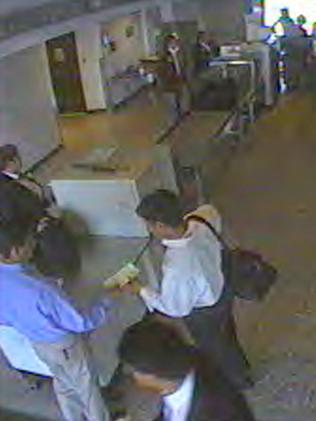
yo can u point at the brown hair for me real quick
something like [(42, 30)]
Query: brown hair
[(7, 153)]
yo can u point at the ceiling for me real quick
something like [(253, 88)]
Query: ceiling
[(13, 6), (21, 16), (10, 6)]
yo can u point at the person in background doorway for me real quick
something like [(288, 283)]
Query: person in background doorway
[(38, 309), (193, 287), (159, 360)]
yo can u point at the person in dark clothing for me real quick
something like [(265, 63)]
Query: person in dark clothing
[(23, 202), (204, 50), (159, 360), (173, 77), (16, 202)]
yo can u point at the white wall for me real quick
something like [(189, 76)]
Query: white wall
[(151, 23), (27, 114), (89, 54), (128, 50), (189, 11), (225, 18)]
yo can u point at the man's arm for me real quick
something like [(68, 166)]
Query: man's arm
[(63, 313), (177, 296)]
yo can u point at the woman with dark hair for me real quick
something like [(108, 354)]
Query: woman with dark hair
[(159, 360)]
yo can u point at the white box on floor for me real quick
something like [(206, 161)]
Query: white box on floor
[(105, 200)]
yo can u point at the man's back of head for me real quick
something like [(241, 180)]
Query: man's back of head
[(162, 206), (155, 349)]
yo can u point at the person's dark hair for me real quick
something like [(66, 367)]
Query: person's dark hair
[(151, 347), (8, 153), (12, 236), (56, 254), (162, 206)]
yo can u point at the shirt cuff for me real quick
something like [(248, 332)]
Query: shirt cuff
[(148, 295)]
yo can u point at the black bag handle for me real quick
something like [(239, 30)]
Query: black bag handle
[(218, 236)]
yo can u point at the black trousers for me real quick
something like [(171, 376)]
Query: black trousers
[(214, 332)]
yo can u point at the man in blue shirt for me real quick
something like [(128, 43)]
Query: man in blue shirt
[(38, 309)]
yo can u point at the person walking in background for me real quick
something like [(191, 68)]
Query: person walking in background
[(159, 360), (193, 286), (173, 77), (37, 308)]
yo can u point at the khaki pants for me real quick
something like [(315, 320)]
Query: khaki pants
[(74, 378)]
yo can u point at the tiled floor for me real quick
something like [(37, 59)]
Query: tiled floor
[(266, 196)]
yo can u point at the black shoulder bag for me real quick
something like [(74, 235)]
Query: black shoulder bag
[(246, 272)]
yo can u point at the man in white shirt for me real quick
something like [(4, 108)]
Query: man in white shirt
[(159, 360), (193, 286)]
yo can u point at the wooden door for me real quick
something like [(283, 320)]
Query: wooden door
[(65, 73)]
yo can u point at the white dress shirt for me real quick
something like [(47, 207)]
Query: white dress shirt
[(175, 57), (191, 271), (176, 407), (11, 175)]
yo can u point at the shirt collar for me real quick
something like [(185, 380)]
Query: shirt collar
[(183, 394), (11, 175), (183, 241), (173, 51)]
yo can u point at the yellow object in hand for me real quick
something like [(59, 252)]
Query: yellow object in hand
[(122, 277)]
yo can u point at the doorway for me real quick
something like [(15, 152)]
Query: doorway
[(65, 73)]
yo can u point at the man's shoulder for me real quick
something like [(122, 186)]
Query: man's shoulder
[(207, 211)]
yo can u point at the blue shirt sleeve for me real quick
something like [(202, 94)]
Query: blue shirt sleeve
[(58, 308)]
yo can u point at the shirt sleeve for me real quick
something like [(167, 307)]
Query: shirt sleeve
[(172, 300), (63, 314)]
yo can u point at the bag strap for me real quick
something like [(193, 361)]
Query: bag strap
[(211, 228)]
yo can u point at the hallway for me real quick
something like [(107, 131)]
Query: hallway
[(266, 197), (268, 203)]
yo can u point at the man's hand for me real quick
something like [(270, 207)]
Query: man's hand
[(113, 292), (132, 287)]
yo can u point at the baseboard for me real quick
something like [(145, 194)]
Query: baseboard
[(35, 166)]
